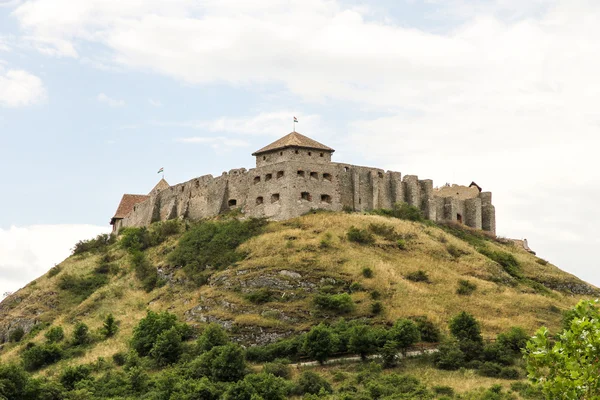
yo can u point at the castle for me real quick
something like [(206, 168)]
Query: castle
[(294, 175)]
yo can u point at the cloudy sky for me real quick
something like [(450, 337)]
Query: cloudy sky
[(97, 95)]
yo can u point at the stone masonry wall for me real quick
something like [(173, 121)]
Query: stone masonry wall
[(287, 189)]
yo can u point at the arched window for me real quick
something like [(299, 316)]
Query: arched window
[(256, 179)]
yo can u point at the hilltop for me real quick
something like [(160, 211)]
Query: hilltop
[(265, 281)]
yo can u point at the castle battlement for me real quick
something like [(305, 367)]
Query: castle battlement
[(294, 175)]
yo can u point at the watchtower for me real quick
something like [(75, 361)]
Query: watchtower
[(293, 147)]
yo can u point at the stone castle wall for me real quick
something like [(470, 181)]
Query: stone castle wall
[(288, 183)]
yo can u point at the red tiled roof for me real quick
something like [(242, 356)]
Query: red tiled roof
[(126, 205), (293, 139)]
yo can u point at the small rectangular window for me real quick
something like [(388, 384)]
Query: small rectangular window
[(259, 200), (300, 174), (327, 177), (305, 196), (325, 198), (314, 175), (275, 198), (279, 174), (268, 177), (256, 179), (232, 202)]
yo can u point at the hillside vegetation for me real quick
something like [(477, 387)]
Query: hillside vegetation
[(265, 282)]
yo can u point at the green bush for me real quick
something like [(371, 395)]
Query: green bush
[(14, 382), (454, 251), (268, 386), (402, 211), (81, 287), (135, 239), (212, 336), (418, 276), (214, 244), (361, 341), (312, 383), (490, 369), (100, 243), (376, 308), (443, 390), (167, 347), (81, 334), (404, 333), (429, 331), (109, 326), (285, 348), (367, 272), (340, 303), (147, 331), (401, 243), (278, 368), (16, 335), (375, 295), (119, 358), (54, 334), (71, 375), (144, 271), (54, 271), (515, 339), (465, 288), (361, 236), (355, 287), (509, 373), (384, 230), (320, 343), (260, 296), (223, 363), (38, 356), (508, 262), (449, 356)]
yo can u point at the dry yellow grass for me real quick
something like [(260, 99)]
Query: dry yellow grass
[(316, 247)]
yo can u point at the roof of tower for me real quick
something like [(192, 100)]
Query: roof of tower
[(126, 205), (294, 139), (160, 186)]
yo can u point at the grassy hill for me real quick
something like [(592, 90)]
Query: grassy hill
[(265, 281)]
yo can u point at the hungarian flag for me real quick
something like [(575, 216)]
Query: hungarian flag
[(160, 171), (295, 119)]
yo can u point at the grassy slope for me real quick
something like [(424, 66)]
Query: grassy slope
[(315, 246)]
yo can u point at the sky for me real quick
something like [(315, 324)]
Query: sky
[(97, 95)]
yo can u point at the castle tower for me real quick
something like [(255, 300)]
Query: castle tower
[(293, 147)]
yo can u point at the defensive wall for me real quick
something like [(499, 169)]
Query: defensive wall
[(291, 179)]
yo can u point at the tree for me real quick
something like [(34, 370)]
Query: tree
[(55, 334), (167, 348), (223, 363), (320, 343), (212, 336), (149, 328), (361, 341), (405, 333), (81, 334), (109, 327), (312, 383), (567, 367), (465, 328)]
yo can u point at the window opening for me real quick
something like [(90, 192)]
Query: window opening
[(259, 200), (300, 173), (256, 179), (268, 177), (279, 174), (327, 177), (325, 198), (459, 218), (306, 196), (232, 202), (314, 175), (275, 198)]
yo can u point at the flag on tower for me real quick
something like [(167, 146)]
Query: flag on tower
[(295, 119), (161, 170)]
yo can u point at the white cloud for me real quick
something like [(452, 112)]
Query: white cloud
[(102, 98), (28, 252), (4, 44), (19, 88)]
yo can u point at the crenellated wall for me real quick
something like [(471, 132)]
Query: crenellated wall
[(299, 183)]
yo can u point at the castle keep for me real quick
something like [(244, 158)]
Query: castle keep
[(294, 175)]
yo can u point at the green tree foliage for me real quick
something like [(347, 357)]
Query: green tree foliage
[(54, 334), (312, 383), (212, 336), (214, 244), (320, 343), (223, 363), (38, 356), (16, 335), (465, 328), (100, 243), (402, 211), (268, 386), (340, 303), (109, 326), (361, 341), (147, 331), (13, 381), (168, 347), (404, 333), (81, 286), (144, 271), (566, 366), (449, 356), (429, 331), (71, 375), (361, 236), (81, 334)]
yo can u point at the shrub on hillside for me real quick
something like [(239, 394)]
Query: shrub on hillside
[(144, 271), (16, 335), (100, 243), (312, 383), (268, 386), (167, 347), (367, 272), (361, 341), (71, 375), (82, 286), (212, 336), (402, 211), (429, 331), (418, 276), (508, 262), (37, 356), (109, 326), (361, 236), (405, 333), (465, 288), (376, 308), (147, 331), (320, 342), (260, 296), (285, 348), (81, 334), (214, 244), (278, 368), (54, 334), (222, 363), (135, 239), (54, 271), (384, 230), (449, 356), (340, 303)]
